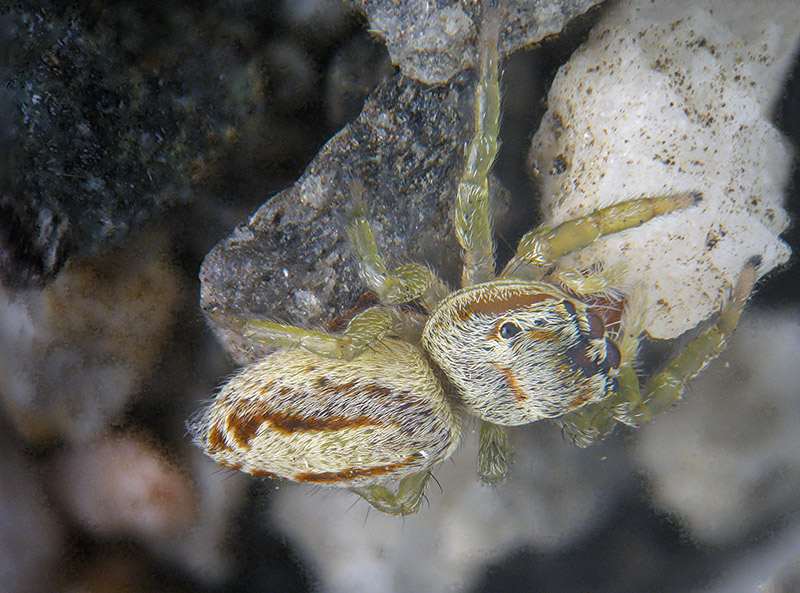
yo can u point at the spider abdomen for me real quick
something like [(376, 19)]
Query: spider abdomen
[(309, 418)]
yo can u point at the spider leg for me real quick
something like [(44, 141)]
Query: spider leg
[(494, 453), (290, 336), (593, 422), (540, 249), (364, 331), (403, 501), (393, 287), (472, 221), (632, 406), (401, 285), (667, 387)]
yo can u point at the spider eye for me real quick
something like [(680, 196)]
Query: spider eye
[(509, 330)]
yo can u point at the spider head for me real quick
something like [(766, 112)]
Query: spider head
[(521, 351)]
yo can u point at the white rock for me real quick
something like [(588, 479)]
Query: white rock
[(670, 97)]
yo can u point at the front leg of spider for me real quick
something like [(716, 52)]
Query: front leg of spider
[(667, 387), (473, 223)]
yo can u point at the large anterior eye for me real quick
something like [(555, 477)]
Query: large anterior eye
[(509, 330)]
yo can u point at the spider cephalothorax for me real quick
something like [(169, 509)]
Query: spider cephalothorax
[(381, 400), (518, 352)]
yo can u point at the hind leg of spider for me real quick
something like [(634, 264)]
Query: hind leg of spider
[(540, 249), (405, 500), (363, 331)]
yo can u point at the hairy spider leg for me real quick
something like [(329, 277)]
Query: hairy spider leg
[(405, 283), (594, 421), (472, 221), (540, 249), (474, 232), (665, 388), (405, 500), (494, 452), (290, 336)]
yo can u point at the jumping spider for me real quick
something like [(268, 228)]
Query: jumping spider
[(383, 399)]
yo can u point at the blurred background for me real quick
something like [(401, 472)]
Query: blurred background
[(136, 135)]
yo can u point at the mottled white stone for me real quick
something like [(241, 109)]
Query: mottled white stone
[(674, 97)]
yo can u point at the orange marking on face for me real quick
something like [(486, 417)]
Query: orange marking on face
[(512, 383), (582, 397)]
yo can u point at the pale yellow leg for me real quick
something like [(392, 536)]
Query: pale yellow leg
[(402, 285), (290, 336), (592, 422), (540, 249), (494, 453), (667, 387), (472, 222), (406, 500), (364, 331)]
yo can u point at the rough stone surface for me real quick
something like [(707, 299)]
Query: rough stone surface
[(432, 42), (667, 98), (291, 261)]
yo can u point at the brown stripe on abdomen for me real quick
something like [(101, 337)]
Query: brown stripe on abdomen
[(216, 440), (244, 425), (355, 472)]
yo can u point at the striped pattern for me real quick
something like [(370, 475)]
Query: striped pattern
[(308, 418)]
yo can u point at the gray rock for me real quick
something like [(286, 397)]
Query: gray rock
[(434, 43), (291, 261)]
